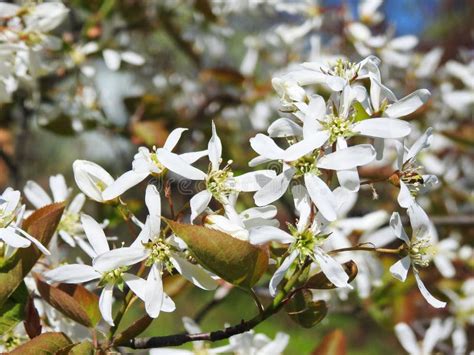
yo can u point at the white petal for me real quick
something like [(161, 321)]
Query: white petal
[(321, 196), (427, 295), (105, 303), (73, 273), (192, 157), (58, 188), (265, 234), (407, 338), (10, 237), (276, 346), (123, 183), (349, 179), (178, 165), (284, 127), (215, 148), (154, 292), (89, 176), (168, 304), (95, 234), (36, 242), (119, 257), (348, 158), (433, 335), (194, 273), (408, 104), (302, 205), (397, 228), (77, 203), (136, 284), (444, 266), (400, 269), (420, 222), (420, 144), (405, 199), (383, 128), (199, 202), (266, 147), (332, 269), (281, 271), (112, 59), (153, 203), (404, 43), (132, 58), (253, 180), (173, 138), (305, 146), (66, 237), (36, 194), (274, 189)]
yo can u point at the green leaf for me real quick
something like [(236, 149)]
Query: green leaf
[(84, 348), (41, 224), (333, 344), (360, 113), (303, 311), (321, 282), (232, 259), (44, 344), (13, 310), (74, 301)]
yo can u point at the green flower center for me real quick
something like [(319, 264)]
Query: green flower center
[(70, 223), (160, 252), (220, 183), (338, 127), (421, 251), (344, 69), (113, 277), (306, 164)]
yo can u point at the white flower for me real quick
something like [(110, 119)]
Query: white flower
[(418, 249), (251, 343), (69, 227), (160, 254), (92, 179), (306, 240), (220, 182), (411, 181), (155, 163), (300, 160), (437, 332), (11, 215), (108, 276), (113, 58)]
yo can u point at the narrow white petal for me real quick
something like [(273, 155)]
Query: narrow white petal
[(119, 257), (419, 220), (36, 194), (427, 295), (444, 266), (10, 237), (265, 234), (105, 303), (123, 183), (112, 59), (397, 228), (274, 189), (215, 148), (192, 157), (408, 104), (77, 203), (407, 338), (348, 158), (136, 284), (332, 269), (405, 199), (349, 179), (321, 196), (154, 292), (35, 241), (168, 304), (433, 335), (276, 346), (281, 271), (305, 146), (253, 180), (73, 273), (302, 205), (173, 138), (400, 269), (199, 202), (132, 58), (95, 234), (421, 143), (284, 127), (194, 273), (266, 147), (383, 128), (58, 188), (153, 203), (178, 165)]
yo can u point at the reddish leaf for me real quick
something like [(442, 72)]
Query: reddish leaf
[(32, 322), (333, 344), (135, 329), (41, 224), (234, 260), (303, 311), (44, 344), (74, 301)]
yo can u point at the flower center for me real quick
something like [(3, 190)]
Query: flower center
[(338, 127), (220, 183), (160, 252), (113, 277), (156, 161), (344, 69), (422, 251), (306, 241), (306, 164), (70, 223), (412, 178)]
